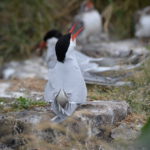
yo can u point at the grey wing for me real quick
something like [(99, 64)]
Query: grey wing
[(49, 93)]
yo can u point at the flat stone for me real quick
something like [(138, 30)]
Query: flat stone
[(108, 112), (126, 132)]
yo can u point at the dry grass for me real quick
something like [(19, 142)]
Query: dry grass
[(33, 84)]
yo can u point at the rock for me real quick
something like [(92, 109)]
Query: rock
[(98, 113), (113, 111), (20, 128), (128, 129), (125, 132)]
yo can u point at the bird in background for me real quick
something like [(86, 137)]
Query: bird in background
[(66, 88), (142, 23), (89, 18)]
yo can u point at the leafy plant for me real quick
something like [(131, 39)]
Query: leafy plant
[(25, 103)]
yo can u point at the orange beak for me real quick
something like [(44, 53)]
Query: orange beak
[(72, 29), (90, 4), (74, 36)]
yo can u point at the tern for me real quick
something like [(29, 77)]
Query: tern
[(66, 88), (90, 19), (142, 23)]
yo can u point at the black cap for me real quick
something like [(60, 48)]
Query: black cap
[(62, 46), (51, 34)]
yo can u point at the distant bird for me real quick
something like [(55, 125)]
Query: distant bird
[(66, 88), (142, 23), (90, 19)]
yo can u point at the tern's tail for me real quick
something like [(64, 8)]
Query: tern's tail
[(63, 114), (62, 107)]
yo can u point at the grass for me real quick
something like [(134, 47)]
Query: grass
[(137, 95), (9, 105), (23, 23), (25, 103)]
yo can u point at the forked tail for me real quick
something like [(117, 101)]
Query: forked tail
[(62, 107)]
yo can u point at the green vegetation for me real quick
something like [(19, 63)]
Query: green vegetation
[(1, 100), (24, 103), (23, 23), (143, 140), (8, 105)]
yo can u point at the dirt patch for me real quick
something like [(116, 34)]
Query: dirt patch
[(29, 84)]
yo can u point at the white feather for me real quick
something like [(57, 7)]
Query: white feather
[(66, 76), (92, 23), (143, 27)]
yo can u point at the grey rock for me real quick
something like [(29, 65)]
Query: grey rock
[(86, 122), (97, 113), (126, 131)]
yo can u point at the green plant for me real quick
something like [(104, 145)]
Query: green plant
[(143, 139), (25, 103)]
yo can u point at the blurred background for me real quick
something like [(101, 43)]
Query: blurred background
[(23, 23)]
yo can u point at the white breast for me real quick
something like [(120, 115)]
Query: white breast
[(92, 22), (143, 28)]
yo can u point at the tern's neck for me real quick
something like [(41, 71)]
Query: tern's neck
[(52, 42), (71, 49)]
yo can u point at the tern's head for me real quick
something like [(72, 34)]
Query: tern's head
[(52, 35), (66, 42), (87, 6)]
